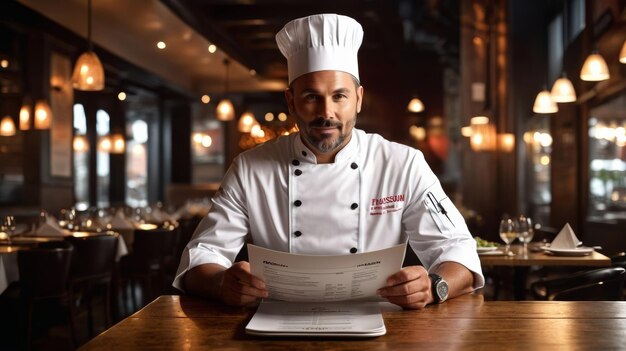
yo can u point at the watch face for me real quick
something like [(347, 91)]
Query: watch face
[(442, 290)]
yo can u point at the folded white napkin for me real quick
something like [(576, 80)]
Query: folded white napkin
[(120, 221), (566, 239), (51, 228)]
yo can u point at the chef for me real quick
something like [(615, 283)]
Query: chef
[(330, 189)]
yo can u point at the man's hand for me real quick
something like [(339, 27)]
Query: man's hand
[(235, 286), (239, 287), (409, 288)]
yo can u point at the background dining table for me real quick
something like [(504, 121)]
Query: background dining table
[(522, 261), (467, 322)]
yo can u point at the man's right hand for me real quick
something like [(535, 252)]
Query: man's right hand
[(239, 287)]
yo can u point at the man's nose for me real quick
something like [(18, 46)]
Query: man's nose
[(326, 108)]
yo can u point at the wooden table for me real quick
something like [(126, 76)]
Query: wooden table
[(465, 323), (522, 261)]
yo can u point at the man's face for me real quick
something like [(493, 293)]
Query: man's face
[(325, 105)]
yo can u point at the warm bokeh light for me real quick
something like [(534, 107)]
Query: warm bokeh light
[(161, 45), (25, 117), (563, 90), (88, 73), (4, 63), (594, 69), (225, 110), (212, 48), (118, 144), (544, 160), (506, 142), (282, 116), (418, 133), (252, 72), (246, 121), (7, 126), (43, 115), (197, 138), (80, 143), (466, 131), (205, 99), (544, 103), (121, 96), (415, 105), (269, 116), (104, 145), (207, 141)]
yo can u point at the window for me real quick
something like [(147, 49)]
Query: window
[(81, 159), (102, 161), (137, 164)]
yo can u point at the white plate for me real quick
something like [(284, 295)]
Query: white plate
[(486, 249), (579, 251)]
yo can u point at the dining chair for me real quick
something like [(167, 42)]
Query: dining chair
[(604, 284), (91, 273), (147, 263), (44, 276)]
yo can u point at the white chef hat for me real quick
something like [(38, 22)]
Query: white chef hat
[(319, 43)]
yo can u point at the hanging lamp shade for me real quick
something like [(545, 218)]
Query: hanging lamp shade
[(544, 103), (7, 126), (563, 90), (415, 105), (25, 117), (246, 121), (225, 110), (88, 71), (595, 68), (622, 53), (43, 115)]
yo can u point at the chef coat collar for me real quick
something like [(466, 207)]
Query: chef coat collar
[(303, 153)]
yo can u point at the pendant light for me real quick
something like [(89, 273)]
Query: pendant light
[(7, 126), (225, 109), (25, 117), (622, 53), (246, 121), (43, 115), (88, 71), (544, 103), (595, 68), (415, 105), (118, 143), (563, 89)]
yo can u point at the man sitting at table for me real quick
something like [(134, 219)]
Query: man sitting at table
[(330, 189)]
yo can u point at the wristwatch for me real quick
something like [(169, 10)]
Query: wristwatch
[(439, 288)]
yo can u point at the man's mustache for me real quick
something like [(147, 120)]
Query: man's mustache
[(325, 123)]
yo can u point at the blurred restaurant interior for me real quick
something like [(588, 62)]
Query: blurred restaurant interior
[(138, 107)]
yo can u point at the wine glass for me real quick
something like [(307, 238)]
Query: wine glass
[(525, 231), (507, 233), (7, 226)]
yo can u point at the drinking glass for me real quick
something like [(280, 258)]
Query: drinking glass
[(525, 231), (7, 226), (507, 233)]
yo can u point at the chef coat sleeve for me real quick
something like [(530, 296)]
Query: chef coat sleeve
[(222, 233), (435, 228)]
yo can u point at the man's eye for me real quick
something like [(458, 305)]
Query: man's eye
[(310, 97), (340, 96)]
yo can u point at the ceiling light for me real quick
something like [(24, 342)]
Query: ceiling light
[(563, 90), (269, 116), (43, 115), (4, 63), (544, 103), (282, 116), (212, 48), (595, 68), (161, 45), (205, 99), (25, 117), (225, 109), (246, 121), (88, 71), (7, 126), (415, 105), (121, 96)]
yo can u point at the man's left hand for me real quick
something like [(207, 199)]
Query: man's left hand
[(409, 288)]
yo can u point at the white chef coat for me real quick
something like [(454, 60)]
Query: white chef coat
[(375, 195)]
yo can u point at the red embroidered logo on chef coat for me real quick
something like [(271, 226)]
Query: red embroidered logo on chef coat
[(387, 204)]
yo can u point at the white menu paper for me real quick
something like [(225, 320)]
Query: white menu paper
[(309, 278)]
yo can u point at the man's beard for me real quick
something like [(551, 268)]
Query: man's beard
[(324, 143)]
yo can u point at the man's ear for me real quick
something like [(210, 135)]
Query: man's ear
[(359, 98), (289, 100)]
